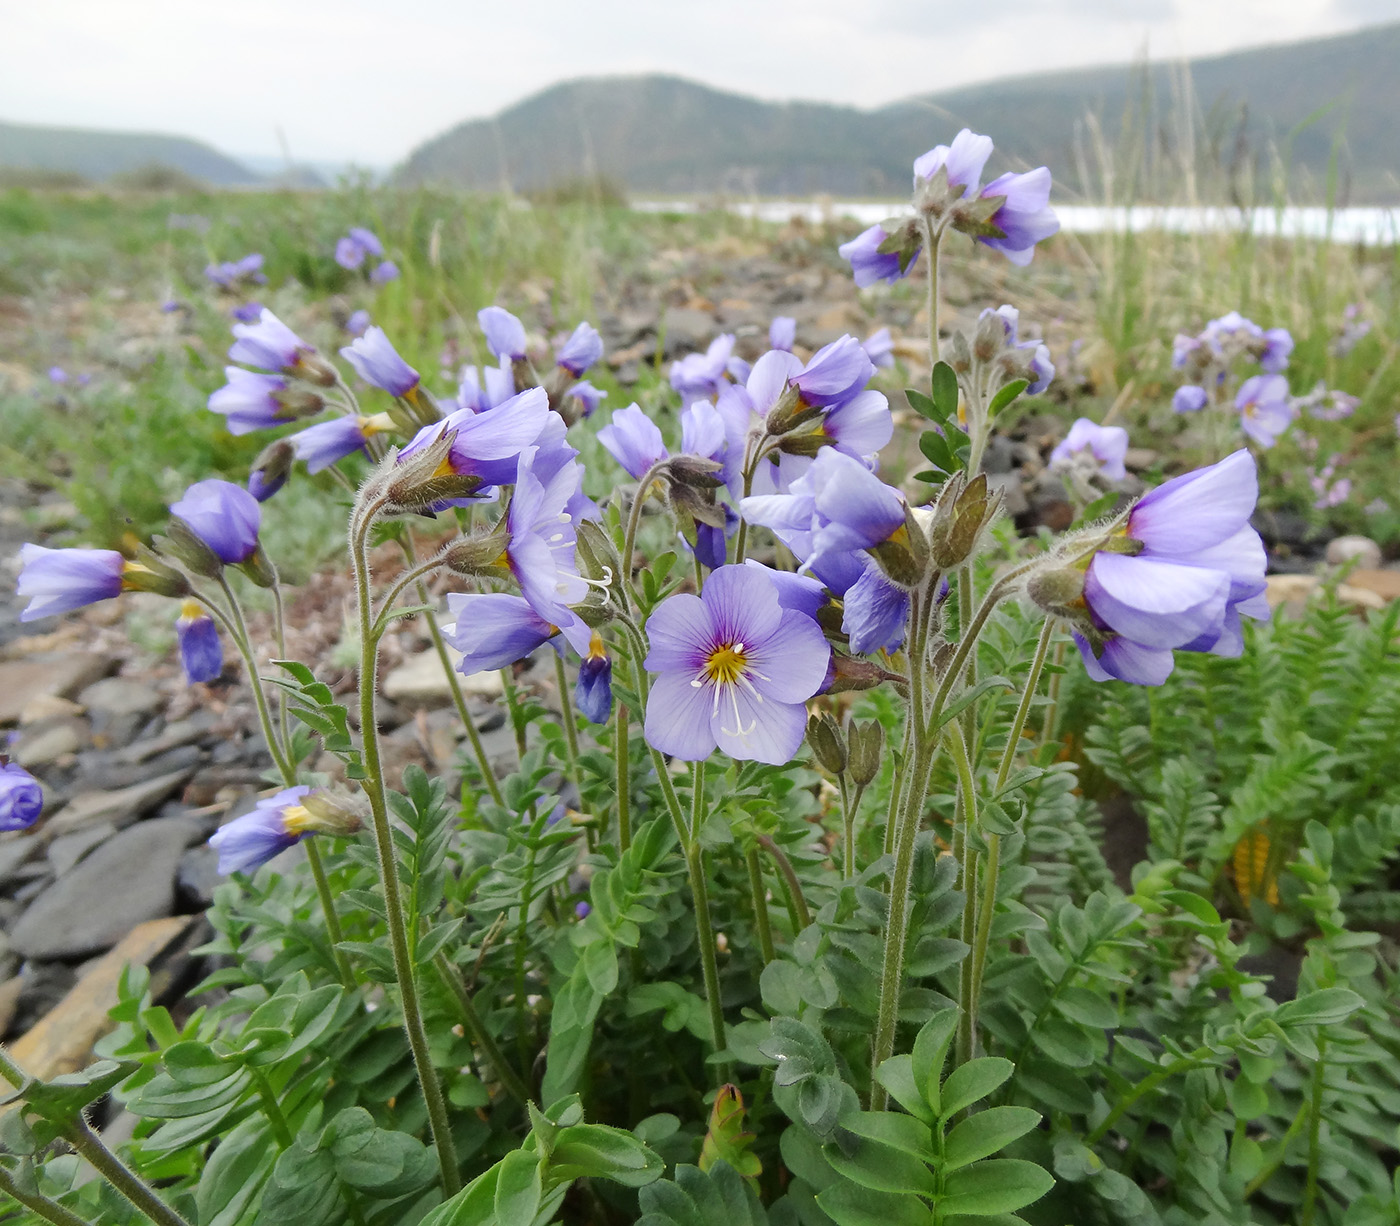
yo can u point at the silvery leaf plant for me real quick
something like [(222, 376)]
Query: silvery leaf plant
[(759, 923)]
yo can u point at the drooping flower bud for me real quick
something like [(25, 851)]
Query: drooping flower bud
[(21, 797), (201, 653), (866, 741), (271, 469), (828, 745), (593, 695)]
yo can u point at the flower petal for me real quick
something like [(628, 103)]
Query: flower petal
[(753, 730), (792, 660), (742, 603), (681, 634), (678, 718), (1158, 604), (1198, 509)]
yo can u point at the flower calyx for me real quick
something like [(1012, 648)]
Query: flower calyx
[(964, 509)]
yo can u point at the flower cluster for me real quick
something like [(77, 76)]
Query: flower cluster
[(234, 275), (1209, 360), (1012, 213), (360, 244)]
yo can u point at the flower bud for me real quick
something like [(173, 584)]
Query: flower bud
[(789, 412), (695, 470), (426, 479), (904, 556), (181, 543), (258, 567), (866, 742), (325, 812), (958, 354), (990, 337), (964, 509), (804, 444), (312, 367), (828, 746), (149, 574), (1060, 590), (851, 673), (477, 555), (596, 554), (271, 469)]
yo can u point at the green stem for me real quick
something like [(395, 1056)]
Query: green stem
[(245, 649), (741, 538), (933, 238), (38, 1203), (1195, 1059), (566, 710), (622, 759), (333, 929), (704, 928), (629, 539), (799, 900), (1267, 1171), (119, 1175), (1008, 759), (848, 817), (279, 624), (510, 1080), (271, 1107), (1047, 724), (852, 811), (388, 865), (967, 802), (522, 931), (513, 710), (1314, 1132), (760, 905)]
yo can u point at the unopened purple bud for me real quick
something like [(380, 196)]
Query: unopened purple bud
[(505, 335), (377, 362), (201, 653), (60, 580), (247, 313), (580, 351), (21, 798), (57, 375), (633, 440), (582, 910), (1190, 399), (226, 517), (384, 272), (593, 695), (357, 323)]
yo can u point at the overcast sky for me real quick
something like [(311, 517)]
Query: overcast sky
[(366, 80)]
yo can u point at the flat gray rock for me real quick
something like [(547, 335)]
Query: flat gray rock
[(115, 696), (126, 881), (55, 674), (120, 807), (67, 850)]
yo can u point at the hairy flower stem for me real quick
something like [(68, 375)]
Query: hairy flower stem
[(850, 806), (388, 865), (566, 715), (39, 1204), (286, 768), (629, 540), (622, 763), (759, 895), (704, 929), (1008, 759), (510, 1080), (238, 628), (517, 722), (1047, 723), (90, 1146), (279, 627), (933, 237), (799, 899), (967, 804)]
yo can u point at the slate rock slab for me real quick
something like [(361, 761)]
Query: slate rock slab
[(121, 807), (56, 674), (128, 880)]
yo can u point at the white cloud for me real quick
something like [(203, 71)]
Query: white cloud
[(358, 79)]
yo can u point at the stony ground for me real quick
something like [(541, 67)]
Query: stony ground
[(139, 768)]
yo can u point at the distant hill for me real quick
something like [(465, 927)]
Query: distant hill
[(665, 135), (98, 155)]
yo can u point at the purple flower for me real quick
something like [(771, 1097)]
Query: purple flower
[(60, 580), (493, 630), (1107, 444), (736, 670), (269, 344), (1190, 399), (262, 483), (861, 426), (588, 397), (1198, 569), (487, 445), (1278, 344), (58, 376), (965, 159), (633, 440), (582, 910), (879, 347), (201, 653), (580, 351), (1265, 411), (377, 362), (782, 332), (798, 593), (1183, 348), (505, 335), (250, 841), (486, 388), (357, 323), (21, 798), (1227, 327), (250, 401), (366, 240), (874, 612), (384, 272), (541, 543), (247, 312), (226, 517), (1326, 404), (698, 375), (593, 694), (836, 372), (1025, 217), (349, 253), (228, 276), (868, 263), (323, 444)]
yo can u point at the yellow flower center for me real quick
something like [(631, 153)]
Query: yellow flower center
[(597, 649), (726, 664), (191, 610), (297, 819)]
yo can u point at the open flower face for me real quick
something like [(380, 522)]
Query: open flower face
[(736, 670)]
